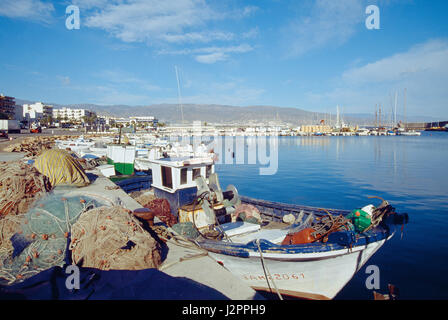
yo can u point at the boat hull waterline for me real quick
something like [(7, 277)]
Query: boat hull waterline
[(311, 271), (309, 276)]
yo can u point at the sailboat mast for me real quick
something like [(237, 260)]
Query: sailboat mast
[(405, 123), (380, 113), (178, 95), (376, 116), (395, 108), (337, 117)]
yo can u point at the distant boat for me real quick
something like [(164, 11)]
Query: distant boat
[(442, 129), (362, 132), (410, 133)]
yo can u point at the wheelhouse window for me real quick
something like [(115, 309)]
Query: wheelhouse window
[(183, 175), (196, 173), (208, 171), (167, 180)]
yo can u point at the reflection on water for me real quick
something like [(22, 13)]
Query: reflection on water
[(341, 172)]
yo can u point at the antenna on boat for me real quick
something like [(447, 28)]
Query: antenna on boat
[(178, 95)]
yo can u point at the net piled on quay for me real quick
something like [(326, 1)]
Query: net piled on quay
[(32, 146), (112, 238), (20, 186), (37, 240), (159, 207)]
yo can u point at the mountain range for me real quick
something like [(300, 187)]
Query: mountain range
[(225, 114)]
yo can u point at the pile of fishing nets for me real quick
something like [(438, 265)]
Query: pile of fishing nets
[(109, 238), (20, 186), (186, 229), (159, 207), (9, 225), (32, 146), (142, 197), (246, 212), (37, 240)]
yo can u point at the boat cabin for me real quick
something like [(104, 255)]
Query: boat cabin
[(174, 178), (122, 157)]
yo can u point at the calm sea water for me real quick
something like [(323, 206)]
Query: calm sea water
[(341, 172)]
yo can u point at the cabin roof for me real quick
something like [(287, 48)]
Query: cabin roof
[(183, 161)]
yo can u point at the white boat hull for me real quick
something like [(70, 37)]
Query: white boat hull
[(304, 275)]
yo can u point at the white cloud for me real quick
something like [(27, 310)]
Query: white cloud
[(167, 24), (207, 36), (35, 10), (211, 54), (252, 33), (211, 58), (89, 4), (329, 22), (430, 58), (242, 48), (422, 70), (150, 20), (248, 11)]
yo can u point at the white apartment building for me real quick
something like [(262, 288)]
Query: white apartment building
[(71, 114), (37, 111)]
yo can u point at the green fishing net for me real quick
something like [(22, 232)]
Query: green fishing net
[(41, 241)]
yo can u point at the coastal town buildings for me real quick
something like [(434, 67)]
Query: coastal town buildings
[(72, 114), (7, 107), (37, 111)]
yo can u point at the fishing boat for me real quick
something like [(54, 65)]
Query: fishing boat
[(317, 270), (438, 128), (256, 240), (409, 133), (362, 132), (78, 145)]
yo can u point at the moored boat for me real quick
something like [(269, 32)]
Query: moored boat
[(262, 242), (316, 270)]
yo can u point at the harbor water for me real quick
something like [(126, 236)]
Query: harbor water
[(342, 172)]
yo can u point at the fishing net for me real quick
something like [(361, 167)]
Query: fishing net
[(161, 209), (186, 229), (111, 238), (20, 186), (9, 225), (32, 146), (246, 212), (37, 240), (142, 198)]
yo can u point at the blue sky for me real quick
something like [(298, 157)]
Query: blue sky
[(304, 54)]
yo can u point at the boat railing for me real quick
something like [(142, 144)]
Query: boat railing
[(276, 210)]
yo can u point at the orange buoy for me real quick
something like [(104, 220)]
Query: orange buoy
[(301, 237)]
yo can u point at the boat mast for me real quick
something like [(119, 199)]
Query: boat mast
[(380, 113), (376, 116), (395, 108), (337, 117), (179, 96), (405, 124)]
